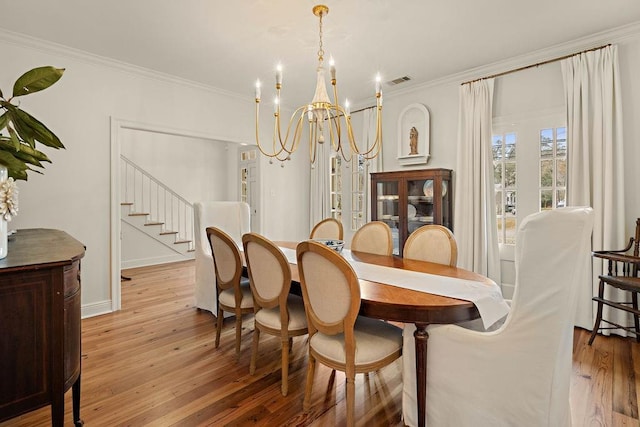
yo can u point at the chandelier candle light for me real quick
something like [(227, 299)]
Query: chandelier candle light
[(319, 113)]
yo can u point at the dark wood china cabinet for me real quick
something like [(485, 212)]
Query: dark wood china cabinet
[(407, 200)]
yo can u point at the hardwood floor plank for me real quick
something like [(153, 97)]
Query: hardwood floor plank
[(154, 364), (624, 385)]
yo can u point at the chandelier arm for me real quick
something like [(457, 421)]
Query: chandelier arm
[(313, 133), (294, 142), (297, 133), (337, 108), (375, 147), (262, 150)]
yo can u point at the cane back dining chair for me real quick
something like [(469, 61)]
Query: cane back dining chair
[(276, 312), (328, 228), (233, 292), (374, 237), (338, 337), (622, 273), (432, 243)]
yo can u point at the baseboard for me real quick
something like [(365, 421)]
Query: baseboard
[(96, 309), (144, 262)]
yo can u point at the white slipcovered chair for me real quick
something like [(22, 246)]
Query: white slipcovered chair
[(519, 374), (231, 217)]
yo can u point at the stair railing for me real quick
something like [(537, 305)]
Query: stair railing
[(150, 196)]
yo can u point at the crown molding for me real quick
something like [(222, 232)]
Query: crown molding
[(48, 47), (615, 35)]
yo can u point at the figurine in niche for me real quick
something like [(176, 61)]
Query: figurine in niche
[(413, 141)]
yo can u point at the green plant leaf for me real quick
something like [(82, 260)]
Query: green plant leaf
[(40, 132), (7, 145), (17, 168), (4, 119), (36, 80), (14, 138), (28, 159)]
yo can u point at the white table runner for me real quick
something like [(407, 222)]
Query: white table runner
[(486, 297)]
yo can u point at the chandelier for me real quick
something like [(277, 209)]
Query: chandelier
[(325, 118)]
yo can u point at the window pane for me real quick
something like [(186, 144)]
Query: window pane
[(498, 202), (510, 174), (561, 142), (510, 146), (561, 172), (499, 221), (510, 203), (497, 174), (546, 143), (357, 203), (546, 199), (546, 173), (561, 198), (496, 146), (510, 231)]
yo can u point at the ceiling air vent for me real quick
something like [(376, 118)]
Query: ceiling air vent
[(400, 80)]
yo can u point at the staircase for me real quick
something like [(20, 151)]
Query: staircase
[(153, 208)]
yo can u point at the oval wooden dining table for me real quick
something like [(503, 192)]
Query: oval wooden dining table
[(388, 302)]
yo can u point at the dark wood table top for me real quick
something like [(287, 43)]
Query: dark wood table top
[(389, 302)]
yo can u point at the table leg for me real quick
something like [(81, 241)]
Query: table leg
[(421, 336)]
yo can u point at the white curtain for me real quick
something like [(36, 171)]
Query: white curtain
[(475, 211), (595, 164), (373, 165), (319, 203)]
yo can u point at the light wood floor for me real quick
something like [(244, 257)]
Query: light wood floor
[(153, 363)]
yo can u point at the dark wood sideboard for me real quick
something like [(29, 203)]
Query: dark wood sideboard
[(40, 323)]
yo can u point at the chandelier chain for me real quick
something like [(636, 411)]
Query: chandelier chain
[(320, 50)]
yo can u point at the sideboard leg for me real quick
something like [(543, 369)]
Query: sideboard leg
[(75, 390)]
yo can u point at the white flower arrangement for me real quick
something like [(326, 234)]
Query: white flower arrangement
[(8, 199)]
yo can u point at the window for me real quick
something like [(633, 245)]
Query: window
[(358, 191), (553, 168), (335, 185), (504, 175), (531, 178)]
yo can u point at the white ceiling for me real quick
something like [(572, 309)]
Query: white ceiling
[(229, 44)]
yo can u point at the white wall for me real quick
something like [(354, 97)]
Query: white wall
[(531, 91), (196, 169), (74, 192)]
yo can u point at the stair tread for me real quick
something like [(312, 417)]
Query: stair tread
[(153, 223), (168, 232), (138, 214), (126, 203), (182, 241)]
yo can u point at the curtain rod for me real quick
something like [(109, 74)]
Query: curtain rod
[(363, 109), (548, 61)]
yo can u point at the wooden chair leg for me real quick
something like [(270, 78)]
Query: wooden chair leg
[(311, 366), (351, 398), (238, 332), (596, 325), (636, 320), (219, 321), (285, 366), (254, 350)]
